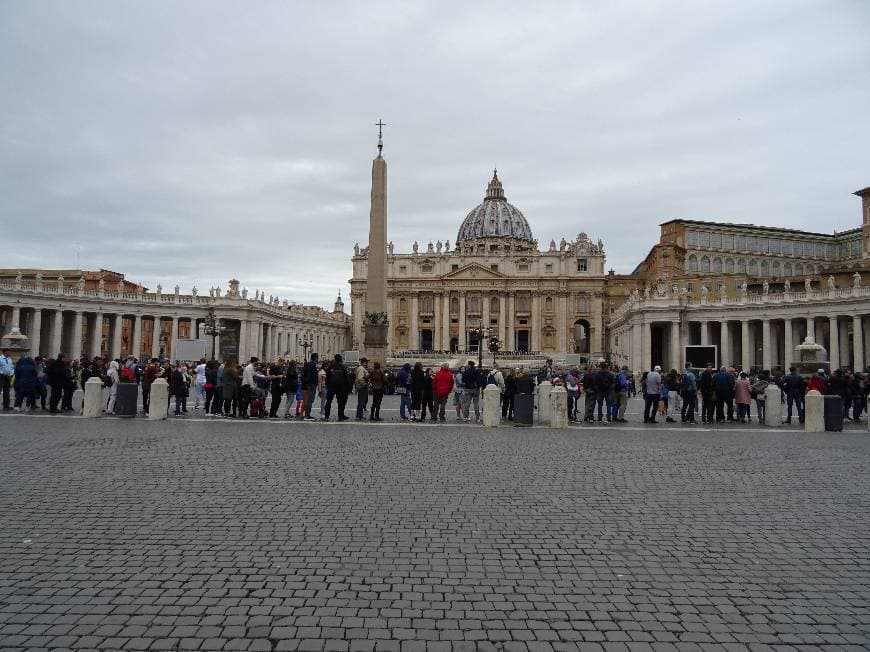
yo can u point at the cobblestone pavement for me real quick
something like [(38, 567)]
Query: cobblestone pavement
[(208, 534)]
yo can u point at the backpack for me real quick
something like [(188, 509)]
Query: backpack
[(128, 375), (622, 381), (107, 381), (490, 380)]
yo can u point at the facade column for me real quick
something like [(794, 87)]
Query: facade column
[(243, 340), (510, 322), (725, 342), (137, 337), (536, 338), (677, 361), (766, 357), (436, 322), (845, 353), (561, 324), (97, 336), (445, 321), (413, 324), (705, 334), (484, 310), (35, 330), (787, 344), (462, 334), (56, 333), (858, 343), (155, 337), (744, 346), (173, 337), (502, 320), (834, 349), (76, 349), (637, 348), (811, 328)]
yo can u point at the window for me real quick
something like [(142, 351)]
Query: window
[(454, 306), (523, 303), (474, 304), (752, 244), (798, 269), (704, 240), (765, 268), (717, 265), (523, 267), (774, 246), (426, 268), (729, 265), (740, 243), (762, 245), (693, 263), (454, 267), (777, 269), (705, 264), (716, 240), (692, 239), (753, 267), (690, 287), (494, 268), (427, 304), (787, 247), (549, 268), (720, 285), (403, 305), (829, 251), (493, 248), (786, 270), (548, 304), (856, 246), (493, 305), (820, 250), (403, 268), (728, 242), (581, 264), (741, 266)]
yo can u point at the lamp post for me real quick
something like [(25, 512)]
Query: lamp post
[(305, 344), (214, 327)]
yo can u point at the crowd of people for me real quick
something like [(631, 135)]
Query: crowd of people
[(259, 389)]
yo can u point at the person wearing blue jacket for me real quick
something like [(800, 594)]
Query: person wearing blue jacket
[(25, 381)]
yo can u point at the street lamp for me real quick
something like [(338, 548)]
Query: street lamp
[(492, 342), (214, 327), (305, 344)]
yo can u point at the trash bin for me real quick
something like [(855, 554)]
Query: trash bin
[(126, 399), (524, 409), (833, 413)]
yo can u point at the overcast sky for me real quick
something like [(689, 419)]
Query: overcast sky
[(190, 142)]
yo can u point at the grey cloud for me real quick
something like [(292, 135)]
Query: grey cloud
[(192, 142)]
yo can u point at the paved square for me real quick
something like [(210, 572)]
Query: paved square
[(208, 534)]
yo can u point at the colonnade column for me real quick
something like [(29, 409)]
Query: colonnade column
[(834, 349), (744, 345), (858, 343), (155, 337), (97, 341), (462, 333), (173, 337), (811, 328), (34, 334), (243, 340), (646, 353), (137, 337), (787, 344), (676, 355), (436, 322), (413, 326), (484, 311), (116, 336), (76, 350), (561, 318), (637, 348), (15, 322), (705, 333), (56, 333), (725, 344), (765, 345), (845, 354)]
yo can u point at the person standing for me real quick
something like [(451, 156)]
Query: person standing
[(378, 381), (7, 371), (403, 389), (757, 389), (309, 385), (623, 387), (742, 397), (277, 386), (428, 397), (249, 386), (291, 389), (178, 389), (338, 386), (25, 382), (470, 392), (689, 390), (510, 391), (723, 386), (361, 385), (199, 384), (652, 394), (149, 375), (795, 388), (708, 391), (112, 380), (417, 381), (442, 385), (230, 388)]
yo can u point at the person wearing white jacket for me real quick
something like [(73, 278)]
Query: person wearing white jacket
[(113, 390)]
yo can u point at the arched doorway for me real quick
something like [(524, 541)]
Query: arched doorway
[(454, 344), (581, 337)]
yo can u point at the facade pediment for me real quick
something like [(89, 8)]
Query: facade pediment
[(471, 272)]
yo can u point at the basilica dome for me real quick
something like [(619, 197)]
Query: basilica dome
[(494, 218)]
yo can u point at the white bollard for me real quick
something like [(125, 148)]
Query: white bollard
[(159, 402), (92, 407), (558, 407), (544, 402), (814, 412), (491, 406), (772, 405)]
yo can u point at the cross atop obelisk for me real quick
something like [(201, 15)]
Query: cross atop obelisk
[(380, 124)]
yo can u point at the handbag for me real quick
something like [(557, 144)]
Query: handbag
[(661, 407)]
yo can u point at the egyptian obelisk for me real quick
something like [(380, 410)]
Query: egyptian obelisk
[(375, 336)]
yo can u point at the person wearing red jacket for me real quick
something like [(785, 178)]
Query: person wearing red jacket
[(817, 382), (442, 385)]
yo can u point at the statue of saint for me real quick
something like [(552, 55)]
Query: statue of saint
[(390, 247), (786, 286), (808, 284), (765, 288), (856, 280), (438, 246), (416, 247), (832, 285), (356, 249)]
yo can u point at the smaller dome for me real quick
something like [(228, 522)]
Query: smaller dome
[(495, 217)]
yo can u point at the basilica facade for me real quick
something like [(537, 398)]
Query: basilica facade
[(493, 282)]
